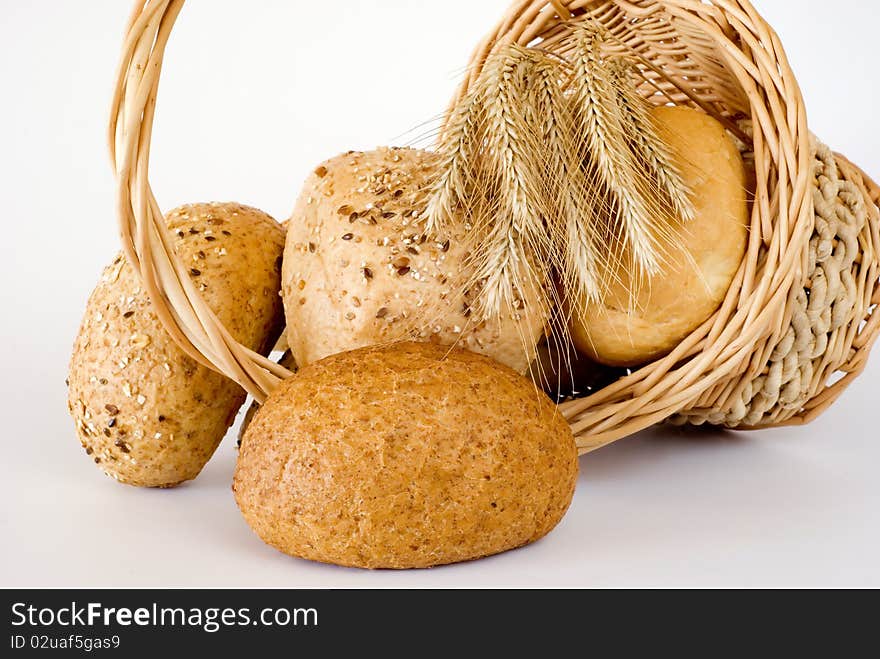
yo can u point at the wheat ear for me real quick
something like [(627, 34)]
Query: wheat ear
[(647, 144), (458, 149), (510, 223), (577, 251), (638, 217)]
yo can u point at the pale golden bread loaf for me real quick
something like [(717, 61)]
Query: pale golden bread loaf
[(405, 456), (702, 257), (145, 412), (359, 269)]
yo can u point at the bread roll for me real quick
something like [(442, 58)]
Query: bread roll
[(405, 456), (359, 271), (145, 412), (287, 362), (703, 257)]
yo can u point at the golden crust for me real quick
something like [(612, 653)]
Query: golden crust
[(145, 412), (405, 456), (358, 270), (287, 362), (685, 293)]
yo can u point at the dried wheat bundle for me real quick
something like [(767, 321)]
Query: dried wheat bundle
[(557, 170), (630, 166)]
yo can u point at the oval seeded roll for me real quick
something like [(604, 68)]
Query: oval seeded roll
[(701, 262), (145, 412), (359, 271), (406, 456)]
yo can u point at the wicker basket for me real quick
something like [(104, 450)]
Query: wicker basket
[(799, 320)]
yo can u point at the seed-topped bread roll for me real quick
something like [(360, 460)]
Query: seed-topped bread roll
[(405, 456), (701, 260), (359, 269), (145, 412)]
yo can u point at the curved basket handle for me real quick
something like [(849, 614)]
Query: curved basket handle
[(146, 241)]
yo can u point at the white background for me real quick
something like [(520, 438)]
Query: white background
[(253, 96)]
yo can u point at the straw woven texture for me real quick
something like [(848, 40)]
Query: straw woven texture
[(797, 323)]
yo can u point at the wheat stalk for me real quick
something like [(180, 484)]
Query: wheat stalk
[(647, 144), (491, 173), (511, 227), (638, 217), (457, 150), (576, 253)]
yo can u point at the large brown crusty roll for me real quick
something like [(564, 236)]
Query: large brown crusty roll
[(287, 362), (405, 456), (146, 413), (359, 271), (701, 262)]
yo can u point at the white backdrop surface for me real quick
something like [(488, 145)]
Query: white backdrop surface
[(253, 96)]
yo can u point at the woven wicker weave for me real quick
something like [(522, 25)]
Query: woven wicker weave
[(825, 316), (797, 323)]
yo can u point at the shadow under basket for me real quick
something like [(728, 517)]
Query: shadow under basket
[(797, 323)]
